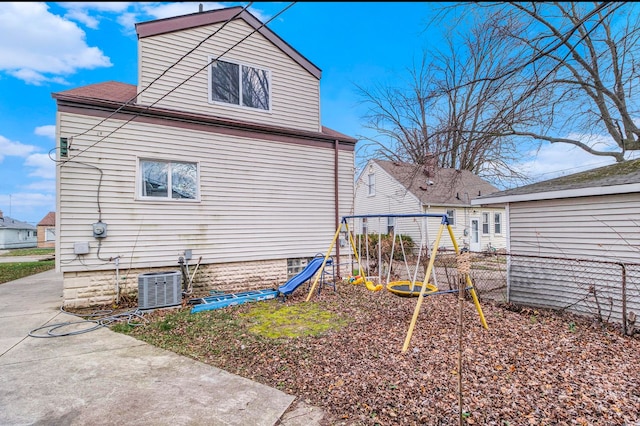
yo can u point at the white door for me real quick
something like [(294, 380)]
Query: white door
[(474, 245)]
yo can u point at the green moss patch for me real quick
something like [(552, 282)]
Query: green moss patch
[(275, 320)]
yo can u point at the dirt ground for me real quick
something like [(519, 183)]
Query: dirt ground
[(531, 367)]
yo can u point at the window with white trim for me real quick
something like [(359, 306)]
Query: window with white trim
[(497, 223), (485, 223), (50, 234), (239, 84), (391, 224), (171, 180), (451, 215), (371, 184)]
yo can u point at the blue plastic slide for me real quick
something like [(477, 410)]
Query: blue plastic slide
[(305, 275)]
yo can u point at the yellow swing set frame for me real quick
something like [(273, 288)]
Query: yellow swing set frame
[(425, 287)]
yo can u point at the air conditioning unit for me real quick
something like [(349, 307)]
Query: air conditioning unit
[(159, 289)]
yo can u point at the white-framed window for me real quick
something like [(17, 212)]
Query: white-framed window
[(239, 84), (391, 224), (50, 234), (170, 180), (451, 215), (485, 223), (497, 223), (371, 184)]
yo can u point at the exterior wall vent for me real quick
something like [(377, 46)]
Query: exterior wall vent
[(159, 289)]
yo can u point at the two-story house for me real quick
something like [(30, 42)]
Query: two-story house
[(216, 158)]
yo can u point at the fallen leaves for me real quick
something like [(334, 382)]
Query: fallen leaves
[(518, 372)]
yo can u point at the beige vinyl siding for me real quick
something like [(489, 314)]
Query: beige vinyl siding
[(259, 200), (295, 93), (586, 227), (390, 198), (601, 228), (346, 176), (497, 241)]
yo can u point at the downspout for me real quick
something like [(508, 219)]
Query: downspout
[(336, 190)]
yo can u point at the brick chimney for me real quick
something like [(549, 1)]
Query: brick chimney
[(430, 165)]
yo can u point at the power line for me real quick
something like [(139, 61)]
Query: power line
[(176, 87), (165, 71)]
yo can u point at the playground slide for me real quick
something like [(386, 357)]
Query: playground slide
[(306, 274)]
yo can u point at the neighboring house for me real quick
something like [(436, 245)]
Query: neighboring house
[(47, 231), (226, 161), (15, 234), (387, 187), (589, 215)]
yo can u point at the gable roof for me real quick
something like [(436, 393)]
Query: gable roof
[(199, 19), (48, 220), (8, 223), (436, 185), (113, 95), (618, 178)]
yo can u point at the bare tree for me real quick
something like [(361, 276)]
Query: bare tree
[(451, 111), (523, 74), (584, 58)]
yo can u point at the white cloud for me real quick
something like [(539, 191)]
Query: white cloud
[(43, 166), (37, 46), (28, 207), (560, 159), (43, 186), (16, 149), (82, 17), (47, 131), (80, 11), (168, 10)]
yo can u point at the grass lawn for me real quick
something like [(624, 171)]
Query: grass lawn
[(29, 252), (14, 270)]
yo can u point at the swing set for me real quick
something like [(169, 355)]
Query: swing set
[(409, 287)]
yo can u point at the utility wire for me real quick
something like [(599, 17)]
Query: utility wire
[(179, 85), (166, 70)]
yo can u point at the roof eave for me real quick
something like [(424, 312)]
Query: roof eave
[(72, 100), (212, 17), (554, 195)]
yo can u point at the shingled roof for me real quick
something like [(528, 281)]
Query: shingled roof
[(115, 94), (438, 186), (617, 178), (48, 220)]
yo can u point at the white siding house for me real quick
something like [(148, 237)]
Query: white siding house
[(16, 234), (387, 187), (225, 160), (591, 219)]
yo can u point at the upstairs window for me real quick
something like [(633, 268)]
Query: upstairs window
[(170, 180), (371, 184), (240, 84)]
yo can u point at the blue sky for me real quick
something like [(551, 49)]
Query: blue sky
[(51, 47)]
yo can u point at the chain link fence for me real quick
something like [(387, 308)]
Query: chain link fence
[(608, 291)]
